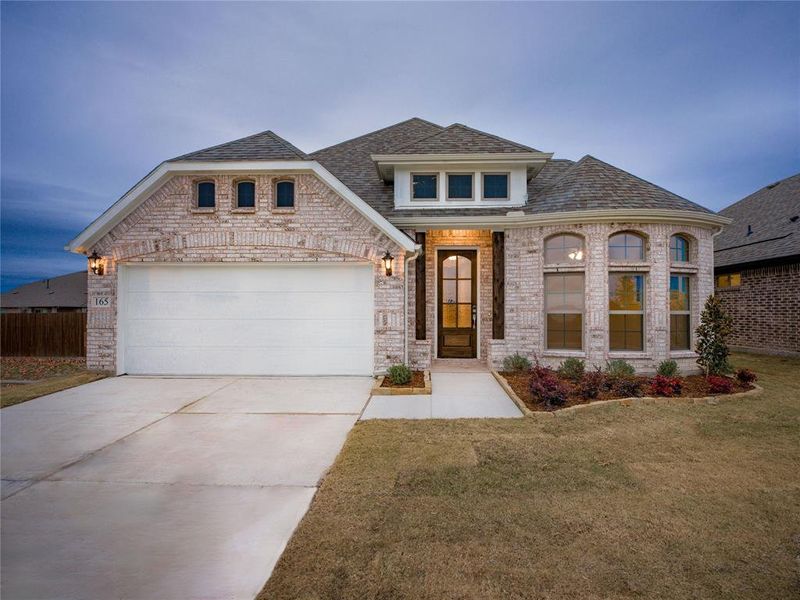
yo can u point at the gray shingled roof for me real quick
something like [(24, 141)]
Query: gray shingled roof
[(460, 139), (561, 185), (352, 164), (768, 213), (266, 145), (591, 184), (66, 291)]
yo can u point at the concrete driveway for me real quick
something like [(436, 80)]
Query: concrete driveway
[(164, 488)]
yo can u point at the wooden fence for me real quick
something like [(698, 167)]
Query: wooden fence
[(43, 334)]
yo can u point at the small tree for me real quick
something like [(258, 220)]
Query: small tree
[(712, 335)]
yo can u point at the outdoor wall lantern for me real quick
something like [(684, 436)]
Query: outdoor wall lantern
[(388, 261), (96, 263)]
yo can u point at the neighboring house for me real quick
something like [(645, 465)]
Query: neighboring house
[(65, 293), (406, 244), (757, 268)]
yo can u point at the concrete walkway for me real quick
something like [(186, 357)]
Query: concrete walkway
[(467, 392), (164, 488)]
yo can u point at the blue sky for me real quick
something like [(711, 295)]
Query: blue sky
[(701, 98)]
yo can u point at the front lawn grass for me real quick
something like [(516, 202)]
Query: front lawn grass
[(18, 393), (648, 501)]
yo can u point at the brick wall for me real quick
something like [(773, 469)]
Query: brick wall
[(765, 309), (322, 228), (524, 295)]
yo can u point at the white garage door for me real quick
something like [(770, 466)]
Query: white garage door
[(246, 320)]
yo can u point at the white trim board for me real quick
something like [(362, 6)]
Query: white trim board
[(158, 176)]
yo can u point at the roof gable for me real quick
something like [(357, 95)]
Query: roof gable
[(460, 139), (266, 145)]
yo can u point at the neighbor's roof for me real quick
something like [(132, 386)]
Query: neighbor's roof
[(773, 216), (67, 291), (266, 145), (460, 139)]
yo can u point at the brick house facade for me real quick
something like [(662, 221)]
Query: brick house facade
[(757, 269), (344, 212)]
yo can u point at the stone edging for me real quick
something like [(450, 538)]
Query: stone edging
[(570, 410), (377, 390)]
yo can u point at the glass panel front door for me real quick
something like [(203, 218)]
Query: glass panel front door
[(457, 314)]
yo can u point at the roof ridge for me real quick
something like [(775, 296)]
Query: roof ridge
[(497, 137), (761, 190), (468, 128), (241, 139), (568, 170), (287, 143), (363, 135)]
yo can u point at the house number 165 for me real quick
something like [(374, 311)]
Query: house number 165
[(102, 301)]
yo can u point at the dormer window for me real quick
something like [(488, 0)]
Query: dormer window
[(495, 186), (459, 186), (424, 186)]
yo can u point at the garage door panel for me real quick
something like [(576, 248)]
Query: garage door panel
[(251, 333), (281, 278), (249, 320), (243, 361), (220, 305)]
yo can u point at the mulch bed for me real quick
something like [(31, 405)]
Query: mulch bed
[(693, 386), (417, 381), (30, 368)]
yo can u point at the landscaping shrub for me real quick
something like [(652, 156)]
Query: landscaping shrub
[(627, 387), (399, 374), (592, 384), (620, 368), (662, 385), (712, 335), (545, 387), (516, 362), (668, 368), (572, 369), (719, 385), (746, 376)]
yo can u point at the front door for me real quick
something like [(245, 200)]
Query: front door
[(458, 304)]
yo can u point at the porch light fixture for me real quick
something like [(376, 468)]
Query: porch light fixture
[(96, 264), (388, 261)]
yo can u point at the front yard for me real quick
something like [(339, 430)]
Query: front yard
[(649, 501), (24, 378)]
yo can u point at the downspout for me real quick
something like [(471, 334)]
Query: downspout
[(407, 268)]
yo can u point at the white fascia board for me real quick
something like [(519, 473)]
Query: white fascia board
[(140, 192), (515, 219)]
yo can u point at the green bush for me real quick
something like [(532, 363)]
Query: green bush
[(712, 338), (572, 369), (620, 368), (516, 362), (668, 368), (399, 374)]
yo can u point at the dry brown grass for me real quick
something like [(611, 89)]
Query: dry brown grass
[(665, 501), (16, 394)]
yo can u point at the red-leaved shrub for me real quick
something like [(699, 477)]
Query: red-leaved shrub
[(546, 387), (719, 385), (661, 385), (592, 384), (746, 376)]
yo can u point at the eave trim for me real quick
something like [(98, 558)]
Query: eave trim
[(158, 176)]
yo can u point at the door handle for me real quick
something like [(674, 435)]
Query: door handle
[(474, 316)]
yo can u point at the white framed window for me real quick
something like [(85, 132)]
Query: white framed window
[(495, 186), (424, 186), (205, 193), (626, 294), (284, 193), (563, 248), (680, 331), (626, 246), (245, 193), (460, 186), (564, 307)]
